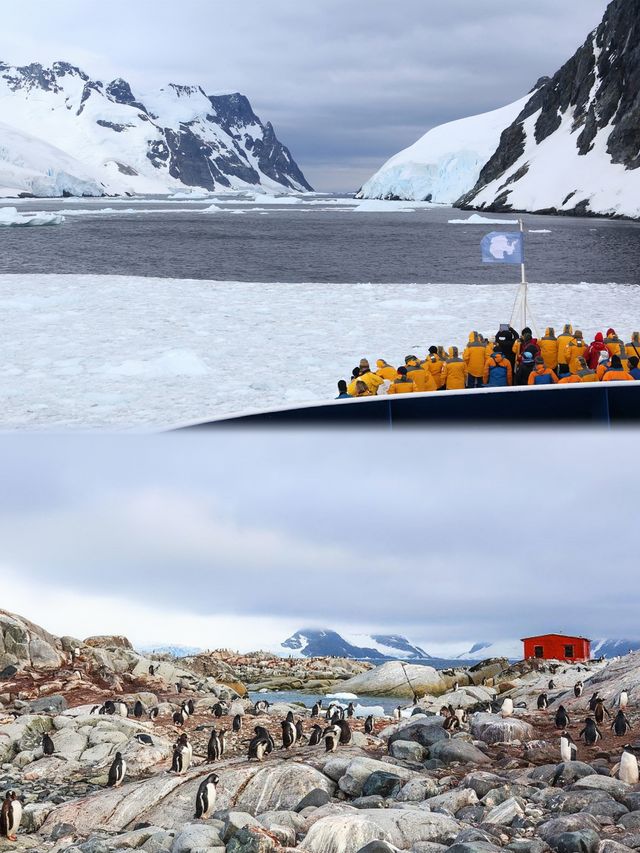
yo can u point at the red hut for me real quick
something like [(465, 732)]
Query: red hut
[(557, 647)]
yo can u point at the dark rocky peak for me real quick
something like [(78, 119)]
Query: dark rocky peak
[(35, 76), (542, 81), (119, 90), (62, 69), (186, 91), (233, 110)]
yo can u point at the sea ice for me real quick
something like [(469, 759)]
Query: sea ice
[(476, 219), (10, 216)]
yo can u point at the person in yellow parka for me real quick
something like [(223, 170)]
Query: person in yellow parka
[(617, 373), (433, 363), (362, 389), (402, 385), (549, 348), (421, 378), (386, 371), (371, 380), (633, 347), (584, 372), (455, 371), (541, 375), (474, 356), (563, 342), (575, 349)]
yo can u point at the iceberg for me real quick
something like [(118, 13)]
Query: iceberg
[(10, 216)]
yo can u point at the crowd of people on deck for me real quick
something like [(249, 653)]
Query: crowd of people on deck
[(507, 359)]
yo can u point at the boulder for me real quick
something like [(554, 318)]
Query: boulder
[(377, 847), (359, 770), (417, 790), (473, 847), (425, 731), (112, 641), (482, 782), (234, 821), (505, 813), (196, 836), (493, 729), (458, 750), (251, 840), (47, 705), (567, 823), (281, 787), (382, 784), (396, 679), (615, 787), (581, 841), (315, 798), (407, 750), (454, 800)]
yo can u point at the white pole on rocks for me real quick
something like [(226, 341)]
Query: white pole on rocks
[(521, 304)]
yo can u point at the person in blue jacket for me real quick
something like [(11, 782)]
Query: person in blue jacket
[(634, 370), (342, 391)]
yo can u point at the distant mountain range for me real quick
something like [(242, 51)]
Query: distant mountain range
[(65, 133), (176, 651)]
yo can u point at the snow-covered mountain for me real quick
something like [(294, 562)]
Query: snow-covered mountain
[(571, 146), (377, 647), (65, 133), (511, 649), (613, 648), (445, 163), (176, 651)]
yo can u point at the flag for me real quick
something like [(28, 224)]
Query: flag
[(503, 247)]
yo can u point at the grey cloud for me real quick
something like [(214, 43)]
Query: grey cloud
[(360, 79)]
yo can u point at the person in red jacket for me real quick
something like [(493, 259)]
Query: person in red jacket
[(594, 351)]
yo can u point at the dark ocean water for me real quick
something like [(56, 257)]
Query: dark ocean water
[(303, 243)]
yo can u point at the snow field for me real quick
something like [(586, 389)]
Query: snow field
[(97, 352)]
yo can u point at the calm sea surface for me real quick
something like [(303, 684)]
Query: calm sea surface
[(305, 242)]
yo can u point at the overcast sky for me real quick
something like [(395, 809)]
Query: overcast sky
[(448, 538), (347, 83)]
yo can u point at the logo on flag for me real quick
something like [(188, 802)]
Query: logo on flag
[(503, 247)]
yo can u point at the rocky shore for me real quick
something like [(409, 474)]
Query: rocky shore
[(497, 783)]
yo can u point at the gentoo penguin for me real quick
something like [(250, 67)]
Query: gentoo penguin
[(350, 710), (152, 669), (444, 711), (315, 711), (183, 740), (222, 737), (153, 713), (185, 709), (628, 768), (562, 718), (461, 715), (138, 709), (331, 737), (190, 706), (217, 710), (451, 724), (97, 709), (261, 707), (290, 718), (47, 744), (147, 740), (179, 687), (213, 747), (593, 700), (591, 732), (623, 699), (259, 746), (316, 735), (178, 759), (237, 723), (10, 816), (289, 734), (600, 710), (543, 702), (206, 796), (368, 724), (121, 709), (397, 712), (109, 707), (345, 732), (621, 724), (179, 717), (299, 730), (264, 733), (456, 686), (568, 749), (117, 771), (552, 684), (578, 687), (507, 707)]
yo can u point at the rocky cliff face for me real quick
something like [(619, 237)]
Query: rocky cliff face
[(131, 142), (575, 146)]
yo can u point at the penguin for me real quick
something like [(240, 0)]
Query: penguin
[(206, 796), (96, 710), (350, 710), (299, 731), (368, 724), (289, 734), (397, 712), (331, 737), (345, 732), (628, 768), (109, 707), (264, 733), (190, 707), (600, 710), (623, 699), (621, 724), (451, 724), (316, 735), (259, 746), (507, 707), (444, 711), (222, 737), (592, 701), (552, 684), (237, 723), (562, 719), (47, 744), (578, 687), (178, 759), (153, 713), (179, 717), (183, 740), (117, 771), (543, 702), (10, 816), (122, 709), (290, 718), (147, 740), (315, 711), (568, 749), (179, 687), (217, 710), (138, 710), (213, 747), (456, 686), (152, 669), (461, 715), (261, 707), (590, 731)]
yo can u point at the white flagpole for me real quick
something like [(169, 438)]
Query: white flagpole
[(523, 275)]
